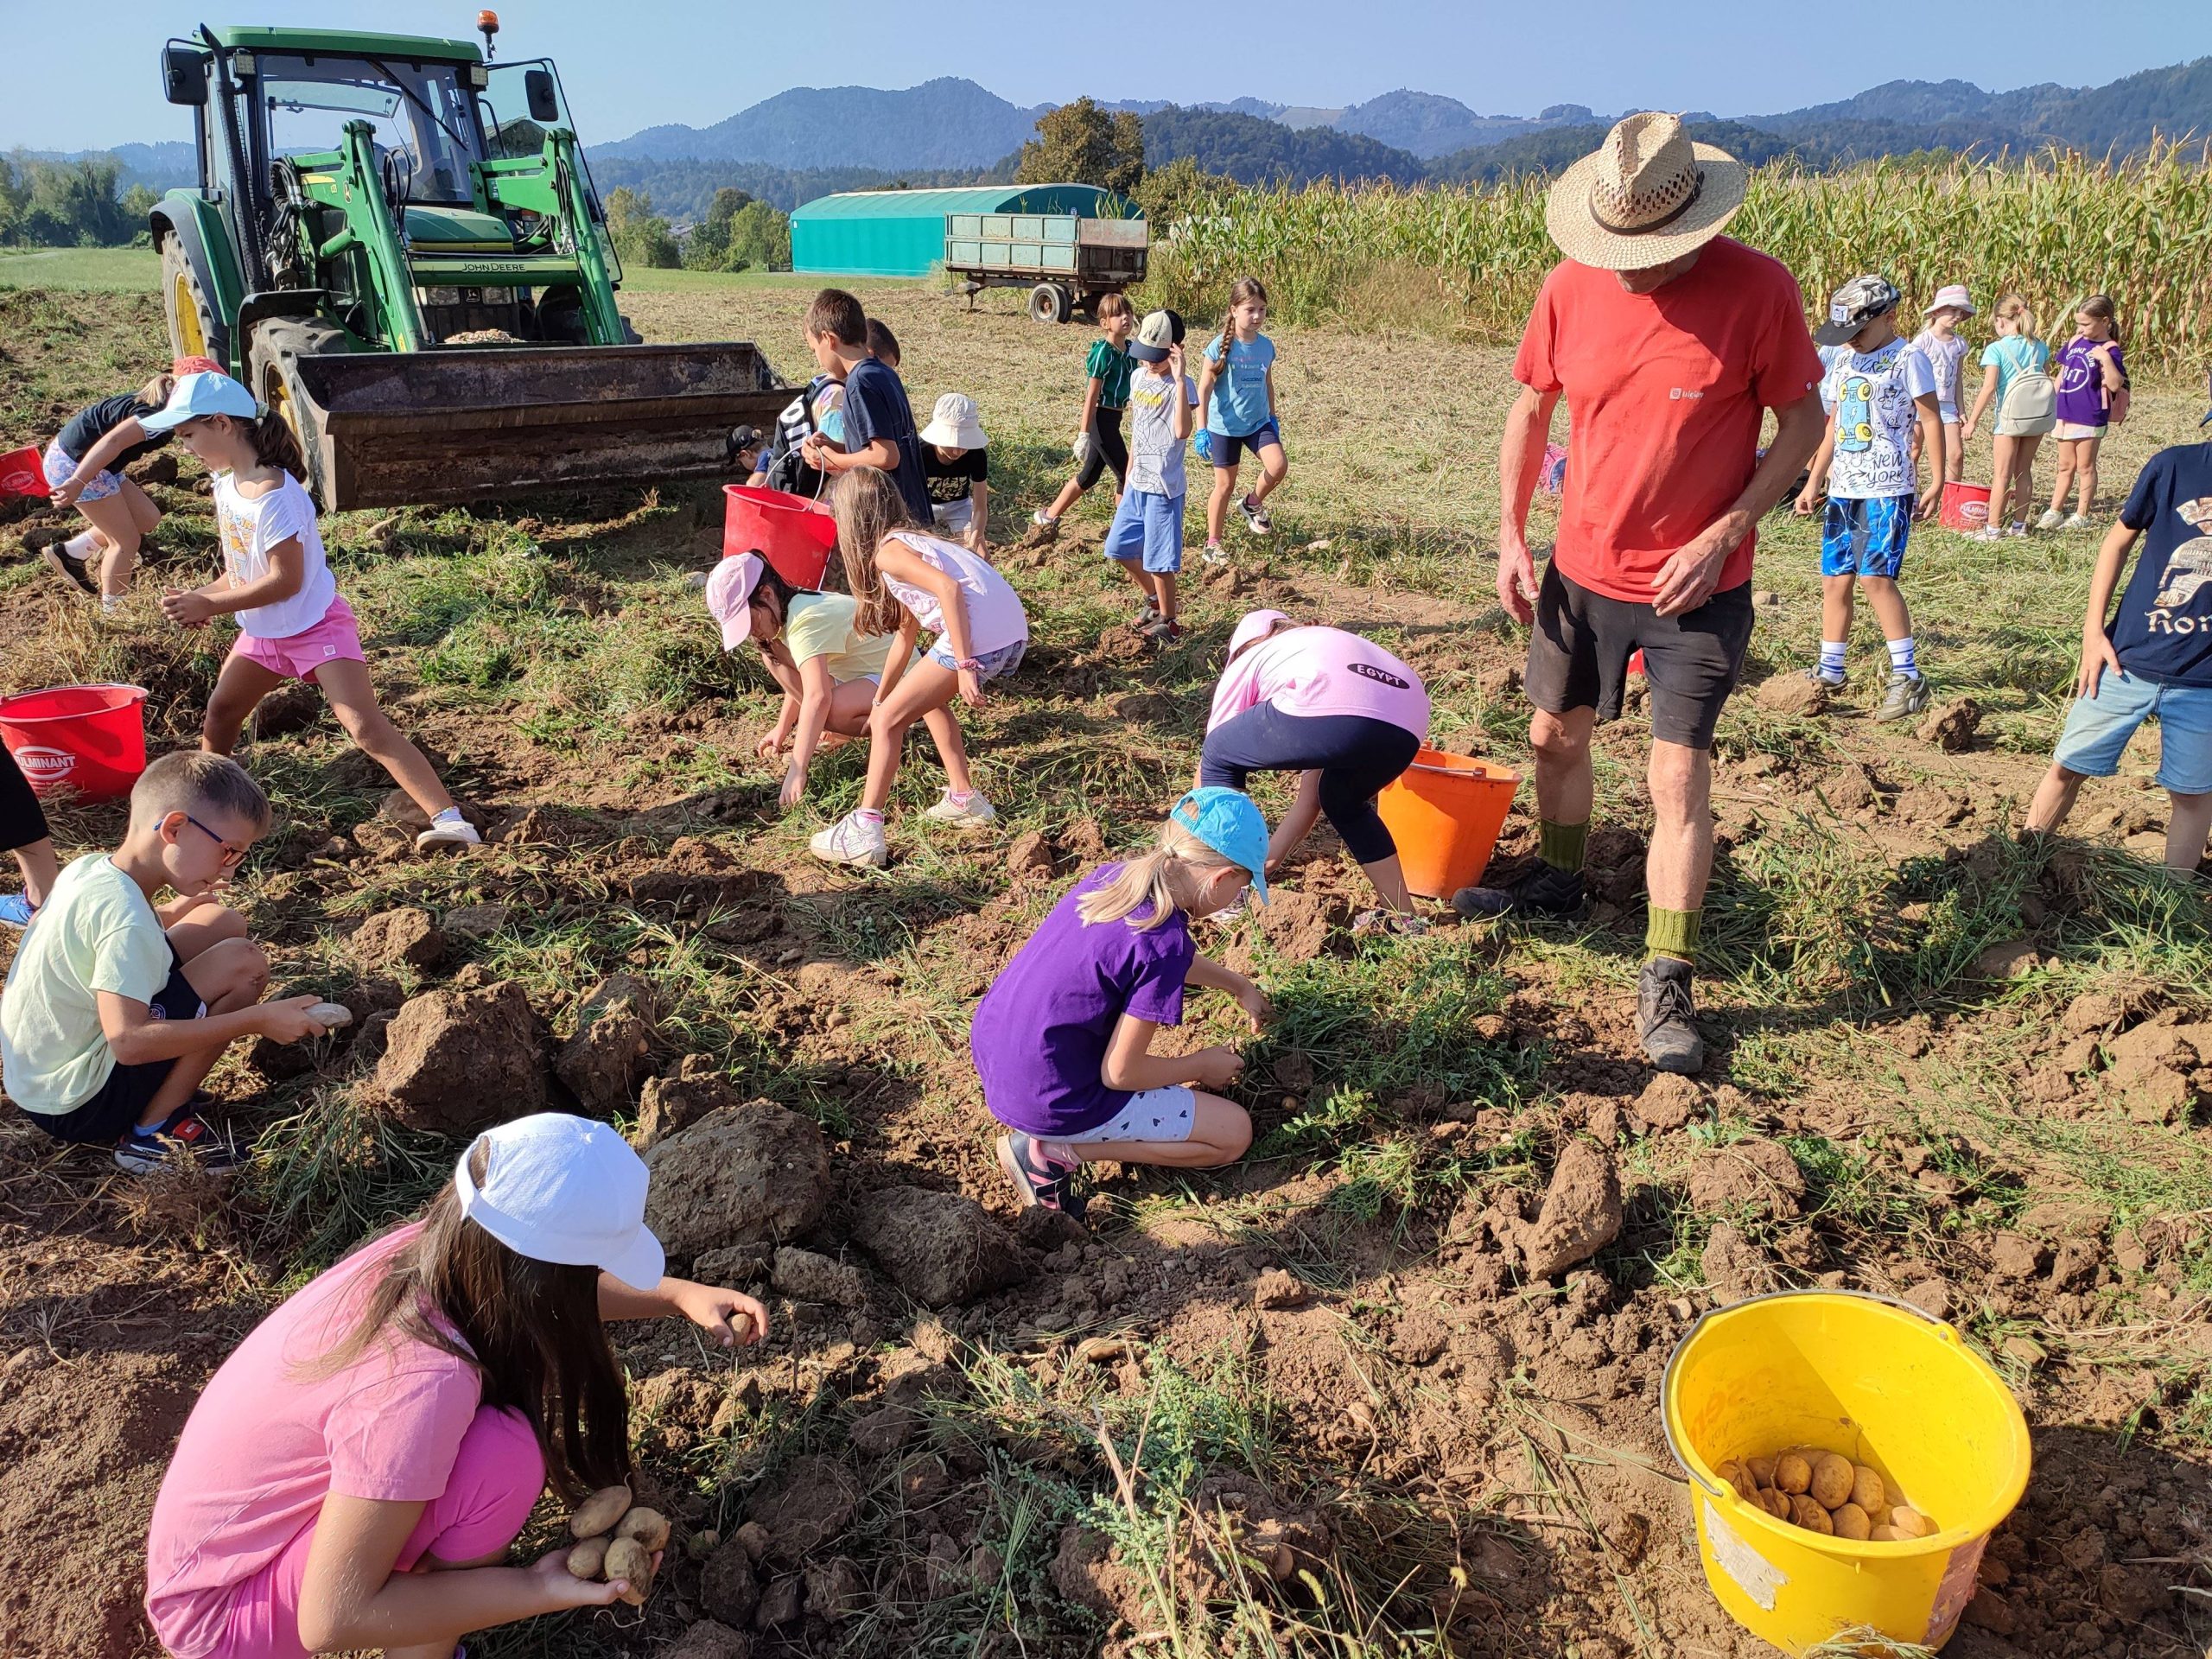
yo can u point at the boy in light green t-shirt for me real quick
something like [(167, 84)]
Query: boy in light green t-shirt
[(115, 1007)]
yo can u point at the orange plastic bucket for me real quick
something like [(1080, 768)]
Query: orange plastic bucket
[(1445, 812), (782, 528), (90, 739), (23, 472), (1966, 506)]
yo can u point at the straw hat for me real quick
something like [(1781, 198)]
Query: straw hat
[(1648, 196)]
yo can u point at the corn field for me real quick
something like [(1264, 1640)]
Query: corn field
[(2055, 226)]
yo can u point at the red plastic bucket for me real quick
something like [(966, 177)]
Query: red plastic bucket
[(1445, 812), (89, 739), (23, 472), (786, 530), (1966, 506)]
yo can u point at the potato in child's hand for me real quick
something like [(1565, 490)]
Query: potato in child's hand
[(589, 1558), (628, 1559), (648, 1527), (599, 1512)]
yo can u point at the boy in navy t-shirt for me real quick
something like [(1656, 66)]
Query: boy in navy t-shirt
[(2153, 658), (879, 423)]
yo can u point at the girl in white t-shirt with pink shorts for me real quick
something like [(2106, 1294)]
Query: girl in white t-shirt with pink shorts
[(276, 584)]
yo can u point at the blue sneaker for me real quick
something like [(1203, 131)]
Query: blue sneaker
[(146, 1152), (16, 910), (1043, 1181)]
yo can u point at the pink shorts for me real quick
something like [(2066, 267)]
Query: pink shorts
[(497, 1477), (336, 638)]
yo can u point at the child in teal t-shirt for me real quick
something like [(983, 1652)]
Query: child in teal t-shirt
[(1098, 441)]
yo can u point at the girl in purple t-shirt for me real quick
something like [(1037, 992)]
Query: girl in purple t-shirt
[(1062, 1038), (2092, 387)]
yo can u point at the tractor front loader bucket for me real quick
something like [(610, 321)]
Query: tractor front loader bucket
[(465, 423)]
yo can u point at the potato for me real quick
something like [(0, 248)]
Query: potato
[(1761, 1470), (628, 1558), (648, 1527), (587, 1557), (1868, 1490), (599, 1512), (1885, 1533), (1804, 1512), (1831, 1482), (1911, 1522), (1777, 1504), (1851, 1522), (1792, 1474)]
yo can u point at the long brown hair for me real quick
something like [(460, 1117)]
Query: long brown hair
[(531, 1328), (273, 441), (1244, 289), (2101, 307), (869, 508)]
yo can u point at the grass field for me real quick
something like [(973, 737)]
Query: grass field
[(1943, 1065)]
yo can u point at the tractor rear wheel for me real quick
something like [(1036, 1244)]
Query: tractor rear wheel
[(195, 330), (1050, 302), (274, 379)]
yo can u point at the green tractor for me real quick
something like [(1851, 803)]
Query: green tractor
[(395, 242)]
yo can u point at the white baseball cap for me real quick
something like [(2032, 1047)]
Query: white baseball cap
[(1255, 626), (729, 595), (564, 1189)]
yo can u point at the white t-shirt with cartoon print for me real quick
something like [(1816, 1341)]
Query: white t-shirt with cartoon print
[(1872, 394), (251, 528)]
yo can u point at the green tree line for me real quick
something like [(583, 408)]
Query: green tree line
[(738, 232), (68, 204)]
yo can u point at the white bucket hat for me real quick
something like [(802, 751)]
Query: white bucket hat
[(953, 425), (1648, 195), (1954, 295), (564, 1189)]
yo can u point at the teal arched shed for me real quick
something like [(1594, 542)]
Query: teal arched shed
[(903, 232)]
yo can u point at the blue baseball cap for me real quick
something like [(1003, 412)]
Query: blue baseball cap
[(1228, 821), (197, 395)]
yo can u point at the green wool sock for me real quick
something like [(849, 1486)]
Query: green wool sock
[(1672, 934), (1561, 845)]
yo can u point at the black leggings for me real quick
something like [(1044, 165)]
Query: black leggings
[(1355, 755), (1107, 450), (21, 820)]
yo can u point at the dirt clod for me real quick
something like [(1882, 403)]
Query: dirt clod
[(1734, 1267), (835, 1588), (1581, 1213), (1029, 855), (805, 1276), (456, 1061), (1757, 1177), (739, 1175), (939, 1247), (1791, 693), (602, 1063), (1669, 1102), (810, 1502), (710, 1639), (1280, 1287), (1951, 725), (678, 1099), (406, 937)]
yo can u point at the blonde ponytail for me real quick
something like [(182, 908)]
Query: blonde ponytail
[(2015, 309), (1144, 883)]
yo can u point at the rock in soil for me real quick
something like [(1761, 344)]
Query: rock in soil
[(603, 1062), (810, 1504), (680, 1098), (474, 923), (1581, 1213), (1758, 1177), (709, 1639), (457, 1061), (728, 1589), (834, 1589), (806, 1277), (739, 1175), (406, 937), (1791, 693), (1951, 725), (1669, 1102), (940, 1247)]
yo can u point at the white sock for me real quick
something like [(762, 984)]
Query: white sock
[(1902, 660), (1832, 655), (83, 545), (451, 815)]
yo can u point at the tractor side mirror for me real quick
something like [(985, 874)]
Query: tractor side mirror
[(544, 106), (184, 74)]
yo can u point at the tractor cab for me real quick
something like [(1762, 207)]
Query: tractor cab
[(363, 196)]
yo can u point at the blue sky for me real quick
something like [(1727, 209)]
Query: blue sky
[(80, 75)]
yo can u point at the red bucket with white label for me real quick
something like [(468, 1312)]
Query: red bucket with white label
[(23, 472), (86, 739), (1966, 506)]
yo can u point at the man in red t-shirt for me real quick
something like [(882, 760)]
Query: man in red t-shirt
[(1670, 343)]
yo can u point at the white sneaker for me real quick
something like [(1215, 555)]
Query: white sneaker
[(1987, 533), (1043, 519), (448, 828), (1255, 517), (971, 814), (852, 839), (2020, 528), (1214, 554), (2075, 521), (2051, 519)]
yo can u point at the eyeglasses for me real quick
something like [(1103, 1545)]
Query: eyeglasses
[(232, 856)]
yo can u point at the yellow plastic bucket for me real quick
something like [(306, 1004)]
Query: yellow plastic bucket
[(1884, 1384)]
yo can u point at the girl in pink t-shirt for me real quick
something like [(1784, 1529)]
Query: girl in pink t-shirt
[(1340, 711), (353, 1475)]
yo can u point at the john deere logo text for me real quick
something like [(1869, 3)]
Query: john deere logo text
[(1383, 675)]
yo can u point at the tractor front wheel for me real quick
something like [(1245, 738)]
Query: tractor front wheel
[(195, 330), (274, 379)]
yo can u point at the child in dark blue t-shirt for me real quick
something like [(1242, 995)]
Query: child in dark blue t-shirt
[(877, 421), (2154, 657)]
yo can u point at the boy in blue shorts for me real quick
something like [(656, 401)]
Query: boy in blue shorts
[(1146, 534), (2153, 658), (1876, 387)]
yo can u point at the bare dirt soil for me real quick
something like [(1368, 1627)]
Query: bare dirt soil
[(1391, 1386)]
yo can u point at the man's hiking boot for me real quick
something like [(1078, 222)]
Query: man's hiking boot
[(1666, 1016), (1908, 694), (1544, 891)]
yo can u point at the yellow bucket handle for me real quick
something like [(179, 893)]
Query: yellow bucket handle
[(1667, 1379)]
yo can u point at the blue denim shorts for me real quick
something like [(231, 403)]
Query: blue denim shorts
[(1148, 526), (2098, 727), (1865, 538), (1004, 660)]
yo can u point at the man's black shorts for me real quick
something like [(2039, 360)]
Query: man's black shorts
[(1578, 656)]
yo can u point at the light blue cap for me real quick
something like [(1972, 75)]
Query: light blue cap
[(1228, 821), (197, 395)]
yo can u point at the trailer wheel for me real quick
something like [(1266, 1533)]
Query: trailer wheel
[(195, 330), (1050, 302)]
